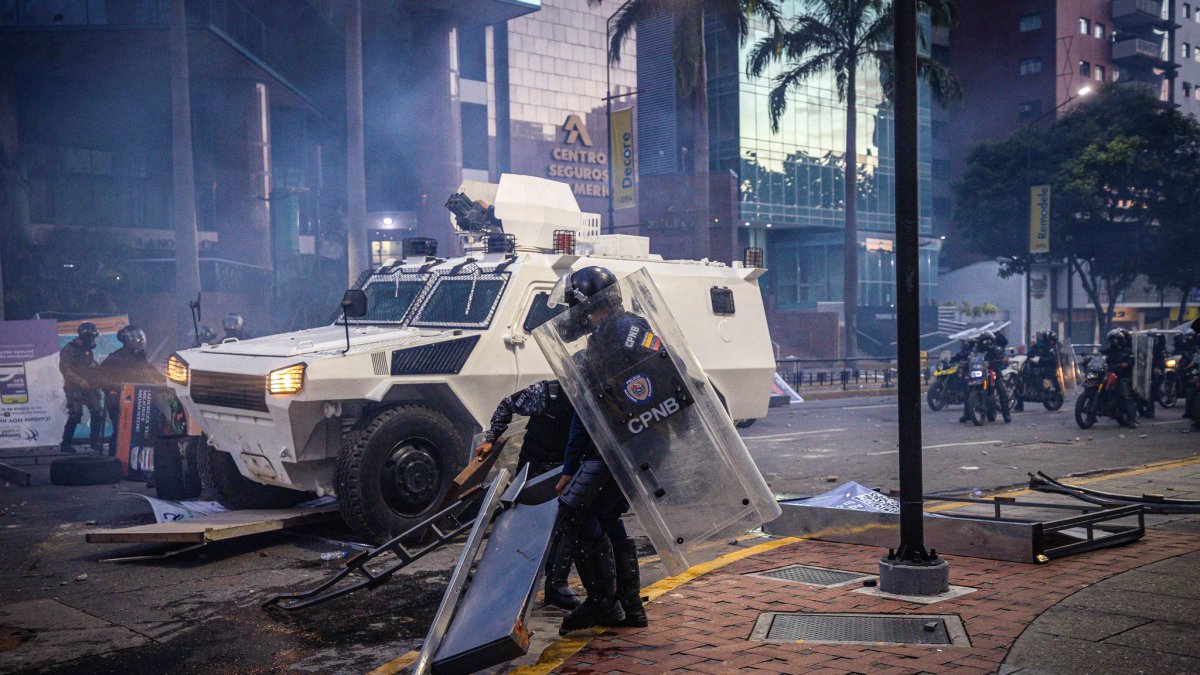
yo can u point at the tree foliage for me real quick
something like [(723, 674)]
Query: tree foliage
[(1123, 171)]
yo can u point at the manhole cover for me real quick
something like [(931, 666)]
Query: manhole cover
[(12, 637), (817, 576), (912, 629)]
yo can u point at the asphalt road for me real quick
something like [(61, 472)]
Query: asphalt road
[(800, 447), (199, 612)]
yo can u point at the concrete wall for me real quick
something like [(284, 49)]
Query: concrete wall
[(980, 283)]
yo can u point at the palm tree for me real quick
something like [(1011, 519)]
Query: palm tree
[(839, 37), (691, 74)]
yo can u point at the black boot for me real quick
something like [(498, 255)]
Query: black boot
[(597, 570), (558, 568), (629, 585), (68, 436)]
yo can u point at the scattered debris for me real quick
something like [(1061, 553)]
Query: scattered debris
[(81, 577), (831, 479), (969, 468)]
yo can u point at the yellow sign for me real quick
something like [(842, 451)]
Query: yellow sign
[(1039, 219), (620, 129)]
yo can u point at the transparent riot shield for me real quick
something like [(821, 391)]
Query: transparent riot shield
[(1143, 362), (1067, 372), (656, 419)]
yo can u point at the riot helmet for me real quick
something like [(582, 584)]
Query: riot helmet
[(132, 337), (88, 334), (580, 285), (1116, 338), (233, 323), (205, 335)]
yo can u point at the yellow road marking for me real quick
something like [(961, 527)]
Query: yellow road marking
[(396, 664), (565, 647)]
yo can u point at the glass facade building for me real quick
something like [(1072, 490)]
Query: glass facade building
[(790, 181)]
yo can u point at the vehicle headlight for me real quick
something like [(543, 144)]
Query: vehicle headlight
[(976, 373), (177, 370), (288, 380), (1171, 363)]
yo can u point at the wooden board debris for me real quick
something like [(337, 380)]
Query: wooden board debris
[(217, 527)]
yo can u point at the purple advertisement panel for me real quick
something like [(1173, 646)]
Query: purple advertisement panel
[(32, 405)]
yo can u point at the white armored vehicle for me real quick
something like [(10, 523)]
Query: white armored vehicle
[(380, 407)]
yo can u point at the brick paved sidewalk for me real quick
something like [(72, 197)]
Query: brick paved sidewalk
[(704, 625)]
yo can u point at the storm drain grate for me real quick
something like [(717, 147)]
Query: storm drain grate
[(817, 576), (909, 629)]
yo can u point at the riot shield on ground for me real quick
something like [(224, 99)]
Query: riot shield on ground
[(656, 419), (1143, 362), (1068, 377)]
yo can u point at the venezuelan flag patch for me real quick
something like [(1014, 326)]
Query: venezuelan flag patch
[(651, 342)]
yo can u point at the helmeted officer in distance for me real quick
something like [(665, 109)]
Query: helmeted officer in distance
[(235, 327), (590, 501), (78, 365), (549, 412), (127, 365)]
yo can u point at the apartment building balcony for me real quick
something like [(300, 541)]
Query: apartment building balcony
[(1139, 53), (1133, 14)]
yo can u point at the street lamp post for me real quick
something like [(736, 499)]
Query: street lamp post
[(909, 569), (608, 97)]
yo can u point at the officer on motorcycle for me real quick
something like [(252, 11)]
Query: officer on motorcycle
[(1188, 347), (963, 358), (78, 366), (1119, 356), (1042, 361), (590, 501)]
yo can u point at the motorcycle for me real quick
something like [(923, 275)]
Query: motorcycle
[(949, 386), (982, 399), (1168, 391), (1034, 387), (1101, 395)]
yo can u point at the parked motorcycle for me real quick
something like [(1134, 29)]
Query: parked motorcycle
[(982, 401), (1101, 395), (949, 386)]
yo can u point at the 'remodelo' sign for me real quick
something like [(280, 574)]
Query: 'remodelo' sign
[(576, 163)]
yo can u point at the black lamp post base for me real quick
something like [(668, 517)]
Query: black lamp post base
[(905, 577)]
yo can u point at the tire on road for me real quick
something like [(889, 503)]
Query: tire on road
[(745, 424), (1083, 410), (1054, 400), (1168, 395), (393, 473), (86, 470), (220, 477), (936, 397), (975, 407)]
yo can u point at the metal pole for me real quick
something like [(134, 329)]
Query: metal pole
[(908, 286), (183, 211), (1070, 298), (1028, 305), (357, 248), (608, 97)]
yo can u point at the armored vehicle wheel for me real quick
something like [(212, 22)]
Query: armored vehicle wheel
[(220, 477), (395, 472)]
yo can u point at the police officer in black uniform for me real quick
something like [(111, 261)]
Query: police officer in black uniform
[(1042, 362), (78, 366), (127, 365), (235, 327), (590, 502), (549, 412), (1119, 355)]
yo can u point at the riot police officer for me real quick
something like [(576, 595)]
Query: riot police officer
[(1042, 362), (78, 365), (549, 412), (127, 365), (1119, 355), (590, 502), (235, 327)]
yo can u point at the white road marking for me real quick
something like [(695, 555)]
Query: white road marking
[(791, 435), (934, 447), (1155, 424)]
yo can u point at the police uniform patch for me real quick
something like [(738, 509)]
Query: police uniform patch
[(637, 388), (651, 342), (631, 338)]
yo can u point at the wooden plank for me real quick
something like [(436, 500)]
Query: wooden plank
[(217, 527)]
